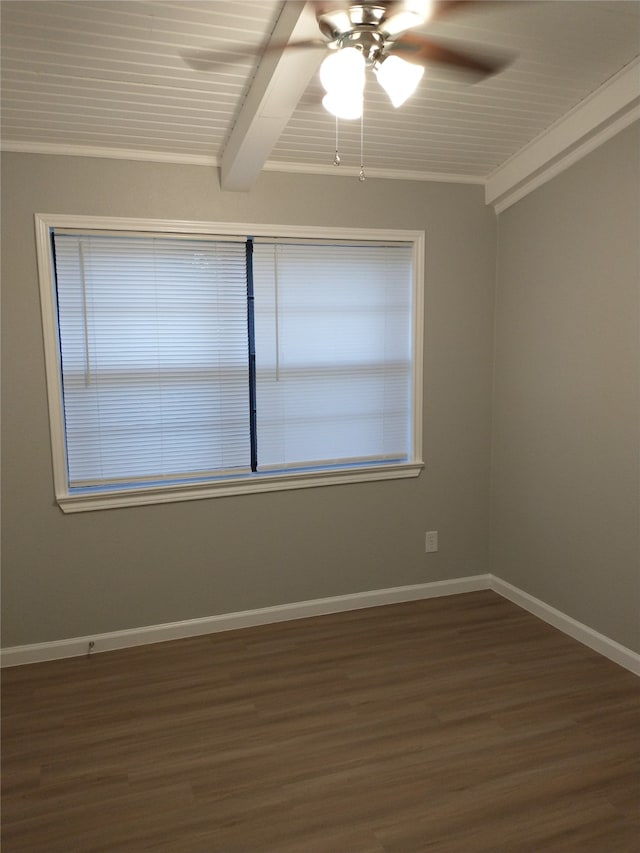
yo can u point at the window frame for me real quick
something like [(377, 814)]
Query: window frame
[(241, 484)]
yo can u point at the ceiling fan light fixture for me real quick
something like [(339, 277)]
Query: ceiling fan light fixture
[(346, 105), (343, 75), (398, 78), (343, 69)]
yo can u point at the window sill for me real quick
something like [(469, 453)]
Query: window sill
[(254, 485)]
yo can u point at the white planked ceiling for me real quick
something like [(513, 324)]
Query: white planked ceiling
[(108, 77)]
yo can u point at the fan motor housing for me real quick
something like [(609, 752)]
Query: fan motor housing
[(360, 17)]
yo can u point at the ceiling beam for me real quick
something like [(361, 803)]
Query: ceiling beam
[(602, 114), (279, 83)]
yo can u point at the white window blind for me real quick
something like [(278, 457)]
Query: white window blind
[(333, 353), (153, 347), (184, 365)]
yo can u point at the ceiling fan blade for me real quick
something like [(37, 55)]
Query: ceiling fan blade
[(424, 51), (210, 60), (442, 8), (397, 17), (402, 15)]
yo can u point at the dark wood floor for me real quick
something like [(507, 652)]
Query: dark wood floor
[(456, 725)]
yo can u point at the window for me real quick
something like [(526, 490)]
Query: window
[(188, 360)]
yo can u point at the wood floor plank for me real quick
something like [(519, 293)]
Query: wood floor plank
[(447, 725)]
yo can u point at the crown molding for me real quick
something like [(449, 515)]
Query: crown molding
[(354, 171), (600, 116), (59, 149)]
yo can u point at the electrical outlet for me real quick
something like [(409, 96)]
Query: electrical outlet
[(431, 541)]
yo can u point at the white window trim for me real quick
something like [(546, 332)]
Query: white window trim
[(44, 223)]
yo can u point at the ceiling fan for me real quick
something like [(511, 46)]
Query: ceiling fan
[(375, 34)]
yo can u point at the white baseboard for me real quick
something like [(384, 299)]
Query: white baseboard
[(77, 646), (594, 640)]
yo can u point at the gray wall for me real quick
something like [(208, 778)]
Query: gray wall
[(73, 575), (563, 517), (566, 460)]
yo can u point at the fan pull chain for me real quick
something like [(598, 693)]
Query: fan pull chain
[(336, 159), (362, 177)]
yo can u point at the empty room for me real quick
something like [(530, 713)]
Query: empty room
[(320, 426)]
